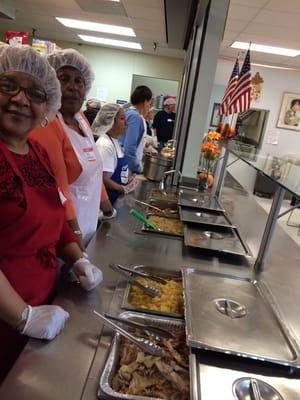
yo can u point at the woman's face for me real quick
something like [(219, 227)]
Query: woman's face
[(22, 103), (72, 89), (147, 106), (120, 124)]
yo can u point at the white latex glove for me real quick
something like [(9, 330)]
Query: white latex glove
[(130, 187), (45, 322), (88, 274)]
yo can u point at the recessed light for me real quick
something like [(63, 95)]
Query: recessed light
[(96, 27), (111, 42), (266, 49)]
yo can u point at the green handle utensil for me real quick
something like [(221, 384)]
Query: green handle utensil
[(139, 216)]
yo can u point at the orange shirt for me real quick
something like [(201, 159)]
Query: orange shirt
[(64, 162)]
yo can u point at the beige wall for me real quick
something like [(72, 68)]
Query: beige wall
[(114, 68)]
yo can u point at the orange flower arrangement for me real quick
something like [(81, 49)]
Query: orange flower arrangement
[(211, 150), (214, 135), (226, 131)]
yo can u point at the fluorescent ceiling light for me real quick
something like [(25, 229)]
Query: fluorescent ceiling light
[(111, 42), (266, 49), (95, 26)]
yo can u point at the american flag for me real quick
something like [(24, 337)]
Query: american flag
[(241, 97), (230, 89)]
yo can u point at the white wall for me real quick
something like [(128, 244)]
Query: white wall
[(275, 83), (114, 68), (157, 85)]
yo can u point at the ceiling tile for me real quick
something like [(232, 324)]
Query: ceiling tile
[(291, 6), (276, 18), (242, 13), (235, 25), (247, 3)]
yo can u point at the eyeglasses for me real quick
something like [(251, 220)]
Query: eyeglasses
[(12, 88)]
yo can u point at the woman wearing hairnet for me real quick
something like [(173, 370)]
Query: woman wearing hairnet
[(72, 150), (33, 228), (110, 124), (93, 106)]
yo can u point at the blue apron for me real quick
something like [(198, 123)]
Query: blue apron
[(120, 175)]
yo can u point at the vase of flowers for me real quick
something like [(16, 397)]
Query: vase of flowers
[(210, 152)]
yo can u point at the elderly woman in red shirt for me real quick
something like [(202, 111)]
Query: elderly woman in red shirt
[(33, 228)]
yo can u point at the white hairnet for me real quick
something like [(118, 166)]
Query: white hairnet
[(72, 58), (93, 102), (105, 118), (169, 101), (25, 59)]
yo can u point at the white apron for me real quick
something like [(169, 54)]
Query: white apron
[(86, 190)]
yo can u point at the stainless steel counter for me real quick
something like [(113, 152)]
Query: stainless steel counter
[(68, 368)]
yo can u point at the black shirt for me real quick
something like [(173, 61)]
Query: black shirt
[(164, 124)]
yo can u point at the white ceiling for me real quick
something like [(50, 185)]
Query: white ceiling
[(269, 22), (146, 17)]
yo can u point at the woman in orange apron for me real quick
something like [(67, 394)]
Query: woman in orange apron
[(71, 147), (33, 228)]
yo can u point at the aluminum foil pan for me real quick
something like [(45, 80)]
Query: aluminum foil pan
[(111, 364)]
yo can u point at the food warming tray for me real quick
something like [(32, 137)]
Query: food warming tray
[(194, 215), (275, 382), (215, 238), (162, 273), (165, 233), (163, 196), (113, 358), (236, 316), (199, 200)]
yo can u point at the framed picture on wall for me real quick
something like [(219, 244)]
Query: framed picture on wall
[(215, 118), (289, 114)]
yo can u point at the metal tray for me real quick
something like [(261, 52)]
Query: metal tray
[(253, 328), (216, 238), (188, 214), (156, 194), (162, 273), (171, 216), (163, 205), (203, 201), (113, 358), (230, 373)]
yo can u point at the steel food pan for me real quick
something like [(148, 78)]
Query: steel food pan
[(169, 208), (111, 365), (206, 217), (233, 377), (236, 316), (162, 273), (170, 217), (215, 238), (199, 200), (156, 194)]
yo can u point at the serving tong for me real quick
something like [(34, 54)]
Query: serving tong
[(155, 207), (150, 330), (146, 345), (129, 274)]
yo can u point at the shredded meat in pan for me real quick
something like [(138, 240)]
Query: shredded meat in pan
[(162, 377)]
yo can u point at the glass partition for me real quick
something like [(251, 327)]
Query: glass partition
[(284, 170)]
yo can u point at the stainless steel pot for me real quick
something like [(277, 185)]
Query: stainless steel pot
[(155, 165)]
